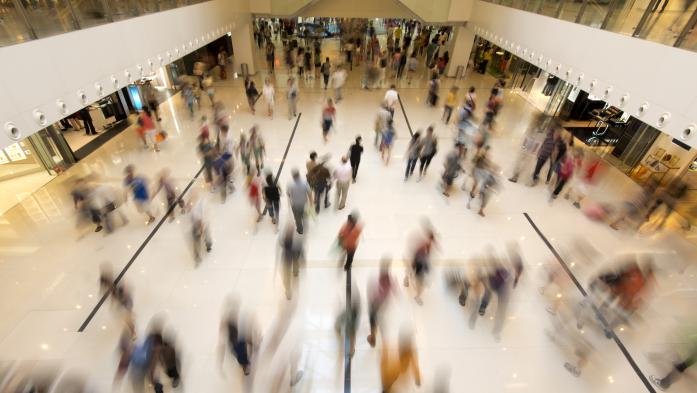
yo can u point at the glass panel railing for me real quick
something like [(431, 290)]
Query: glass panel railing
[(688, 40), (22, 20), (666, 21), (124, 9), (13, 29), (90, 12), (626, 16), (593, 13), (50, 17), (662, 21)]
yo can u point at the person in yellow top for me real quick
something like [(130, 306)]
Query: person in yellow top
[(450, 102), (393, 367)]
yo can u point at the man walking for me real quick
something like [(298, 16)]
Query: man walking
[(299, 195), (342, 175), (355, 152), (348, 238)]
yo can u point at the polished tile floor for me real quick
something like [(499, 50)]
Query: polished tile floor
[(49, 271)]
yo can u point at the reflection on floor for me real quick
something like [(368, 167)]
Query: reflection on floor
[(49, 271)]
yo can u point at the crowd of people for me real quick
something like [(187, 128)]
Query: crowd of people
[(616, 294)]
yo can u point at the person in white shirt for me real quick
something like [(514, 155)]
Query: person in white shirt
[(338, 80), (342, 175), (391, 99), (269, 92)]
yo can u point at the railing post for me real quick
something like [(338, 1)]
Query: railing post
[(612, 7), (644, 18), (686, 30), (107, 10), (76, 21), (581, 11)]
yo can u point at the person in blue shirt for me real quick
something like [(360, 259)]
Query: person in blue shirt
[(138, 187)]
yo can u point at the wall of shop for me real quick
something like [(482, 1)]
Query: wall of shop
[(652, 82), (35, 77)]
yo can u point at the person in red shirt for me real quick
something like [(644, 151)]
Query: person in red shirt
[(348, 237)]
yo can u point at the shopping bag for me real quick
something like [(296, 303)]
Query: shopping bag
[(161, 136)]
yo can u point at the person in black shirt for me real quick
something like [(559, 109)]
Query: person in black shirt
[(355, 152), (272, 195), (87, 120)]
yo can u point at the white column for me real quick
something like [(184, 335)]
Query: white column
[(243, 46), (460, 51)]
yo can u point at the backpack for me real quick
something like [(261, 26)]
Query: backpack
[(142, 354)]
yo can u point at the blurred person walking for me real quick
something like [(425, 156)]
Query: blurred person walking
[(429, 148), (292, 98), (208, 154), (391, 99), (412, 154), (388, 136), (355, 152), (328, 119), (269, 93), (450, 103), (147, 130), (254, 191), (232, 336), (378, 292), (319, 179), (421, 263), (342, 175), (292, 255), (433, 86), (412, 64), (257, 147), (200, 232), (272, 196), (544, 154), (348, 237), (392, 367), (452, 167), (381, 119), (250, 90), (326, 71), (338, 80), (244, 150), (164, 183), (497, 283), (138, 186), (299, 196)]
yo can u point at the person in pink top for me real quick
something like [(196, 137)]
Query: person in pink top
[(147, 130)]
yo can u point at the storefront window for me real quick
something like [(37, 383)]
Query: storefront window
[(27, 165)]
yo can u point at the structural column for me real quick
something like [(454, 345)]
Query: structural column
[(462, 46), (243, 46)]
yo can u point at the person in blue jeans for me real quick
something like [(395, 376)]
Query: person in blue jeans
[(138, 186)]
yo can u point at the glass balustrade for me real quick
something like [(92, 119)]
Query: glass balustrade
[(24, 20), (663, 21)]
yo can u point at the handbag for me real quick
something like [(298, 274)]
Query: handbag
[(161, 136)]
